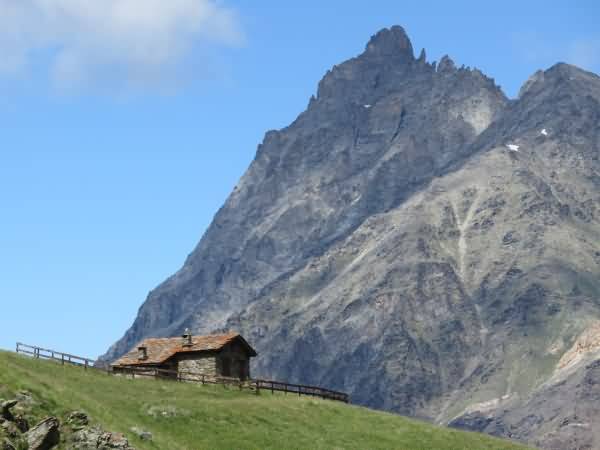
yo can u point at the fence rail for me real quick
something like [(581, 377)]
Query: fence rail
[(44, 353), (300, 389), (256, 385)]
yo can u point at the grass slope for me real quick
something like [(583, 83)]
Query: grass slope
[(212, 417)]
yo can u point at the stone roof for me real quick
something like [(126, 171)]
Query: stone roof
[(158, 350)]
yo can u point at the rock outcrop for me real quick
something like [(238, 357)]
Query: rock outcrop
[(414, 238), (93, 438), (45, 435), (49, 433)]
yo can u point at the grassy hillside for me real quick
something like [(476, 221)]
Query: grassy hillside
[(212, 417)]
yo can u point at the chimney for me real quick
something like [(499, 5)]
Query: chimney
[(142, 353), (187, 338)]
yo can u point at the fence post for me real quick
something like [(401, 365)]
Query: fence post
[(62, 358), (86, 365)]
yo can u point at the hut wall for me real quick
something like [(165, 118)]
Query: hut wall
[(193, 366), (233, 361)]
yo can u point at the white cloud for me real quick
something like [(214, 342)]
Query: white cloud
[(129, 41)]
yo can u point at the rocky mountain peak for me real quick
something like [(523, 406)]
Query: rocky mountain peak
[(390, 42), (569, 70), (561, 75), (388, 58), (562, 97), (419, 229)]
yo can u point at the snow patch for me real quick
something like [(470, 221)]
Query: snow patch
[(513, 147), (544, 132), (367, 106)]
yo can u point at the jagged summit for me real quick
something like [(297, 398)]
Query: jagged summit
[(387, 63), (446, 65), (390, 42)]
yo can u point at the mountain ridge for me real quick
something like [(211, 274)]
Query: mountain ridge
[(412, 224)]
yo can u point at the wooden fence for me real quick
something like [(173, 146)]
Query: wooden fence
[(256, 385), (300, 389), (64, 358)]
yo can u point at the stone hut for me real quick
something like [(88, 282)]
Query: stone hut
[(191, 357)]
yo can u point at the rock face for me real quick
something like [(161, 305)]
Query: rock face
[(418, 240), (561, 413)]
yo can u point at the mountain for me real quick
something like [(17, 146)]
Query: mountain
[(419, 240)]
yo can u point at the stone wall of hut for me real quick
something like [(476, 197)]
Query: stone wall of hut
[(193, 366)]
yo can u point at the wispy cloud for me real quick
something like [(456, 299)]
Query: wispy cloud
[(132, 42), (582, 51)]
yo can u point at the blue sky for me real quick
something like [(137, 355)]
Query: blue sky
[(123, 129)]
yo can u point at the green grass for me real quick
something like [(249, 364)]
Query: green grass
[(213, 417)]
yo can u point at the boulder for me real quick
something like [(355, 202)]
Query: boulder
[(44, 435), (5, 408), (78, 419), (87, 438), (95, 438), (114, 441), (25, 398)]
